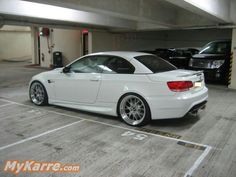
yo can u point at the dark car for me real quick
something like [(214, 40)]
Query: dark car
[(179, 57), (214, 60), (163, 53)]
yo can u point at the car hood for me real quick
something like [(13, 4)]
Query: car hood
[(56, 70), (210, 56), (47, 73)]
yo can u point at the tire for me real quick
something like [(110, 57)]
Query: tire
[(133, 110), (38, 94)]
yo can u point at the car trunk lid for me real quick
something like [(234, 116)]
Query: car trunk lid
[(196, 77)]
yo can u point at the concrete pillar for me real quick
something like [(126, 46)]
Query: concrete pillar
[(90, 42), (34, 45), (233, 73)]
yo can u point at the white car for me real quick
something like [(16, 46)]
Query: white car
[(135, 86)]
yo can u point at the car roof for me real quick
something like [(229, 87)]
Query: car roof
[(123, 54)]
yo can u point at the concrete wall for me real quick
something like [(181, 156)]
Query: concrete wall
[(15, 42), (105, 41), (195, 38), (232, 10), (66, 41), (143, 41)]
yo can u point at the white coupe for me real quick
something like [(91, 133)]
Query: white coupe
[(135, 86)]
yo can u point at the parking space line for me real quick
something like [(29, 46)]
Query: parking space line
[(5, 105), (39, 135), (198, 162), (187, 174)]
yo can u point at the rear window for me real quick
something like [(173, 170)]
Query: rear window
[(155, 64)]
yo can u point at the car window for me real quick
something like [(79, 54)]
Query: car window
[(155, 64), (90, 64), (216, 48), (118, 65)]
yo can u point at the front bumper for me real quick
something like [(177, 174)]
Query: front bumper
[(176, 106), (180, 63), (211, 74)]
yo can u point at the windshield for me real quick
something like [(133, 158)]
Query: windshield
[(155, 64), (216, 48)]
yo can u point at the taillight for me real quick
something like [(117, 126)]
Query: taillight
[(180, 86)]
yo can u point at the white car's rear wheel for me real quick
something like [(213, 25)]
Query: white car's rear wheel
[(134, 110), (38, 94)]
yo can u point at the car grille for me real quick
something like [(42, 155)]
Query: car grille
[(201, 63)]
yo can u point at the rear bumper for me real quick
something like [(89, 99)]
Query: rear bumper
[(177, 106), (201, 105)]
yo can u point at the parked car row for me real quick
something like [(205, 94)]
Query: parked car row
[(179, 57), (213, 59)]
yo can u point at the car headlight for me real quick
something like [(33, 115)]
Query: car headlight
[(217, 63), (190, 62)]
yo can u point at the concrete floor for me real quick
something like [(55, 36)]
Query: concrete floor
[(202, 146)]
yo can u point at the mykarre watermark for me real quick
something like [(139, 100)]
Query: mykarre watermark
[(16, 167)]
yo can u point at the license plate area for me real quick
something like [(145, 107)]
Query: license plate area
[(198, 84)]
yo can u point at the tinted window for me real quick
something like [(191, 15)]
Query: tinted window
[(216, 48), (118, 65), (155, 64), (91, 64), (182, 53)]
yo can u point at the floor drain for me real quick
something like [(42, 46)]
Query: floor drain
[(162, 133)]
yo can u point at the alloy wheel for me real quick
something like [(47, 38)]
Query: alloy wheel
[(37, 93), (132, 110)]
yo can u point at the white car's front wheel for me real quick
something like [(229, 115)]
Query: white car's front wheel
[(134, 110), (38, 94)]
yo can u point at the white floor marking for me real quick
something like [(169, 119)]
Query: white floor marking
[(39, 135), (6, 105), (187, 174), (198, 162), (135, 136)]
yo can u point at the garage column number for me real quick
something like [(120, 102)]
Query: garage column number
[(135, 136)]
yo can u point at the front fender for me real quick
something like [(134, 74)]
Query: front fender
[(44, 81)]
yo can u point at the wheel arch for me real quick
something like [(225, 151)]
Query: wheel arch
[(41, 82), (132, 93)]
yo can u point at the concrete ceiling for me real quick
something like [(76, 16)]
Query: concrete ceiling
[(121, 15)]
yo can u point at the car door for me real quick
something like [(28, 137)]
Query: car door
[(117, 74), (81, 84)]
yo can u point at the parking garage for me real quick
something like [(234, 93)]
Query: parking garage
[(40, 36)]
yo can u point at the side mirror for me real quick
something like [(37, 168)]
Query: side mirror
[(66, 69)]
